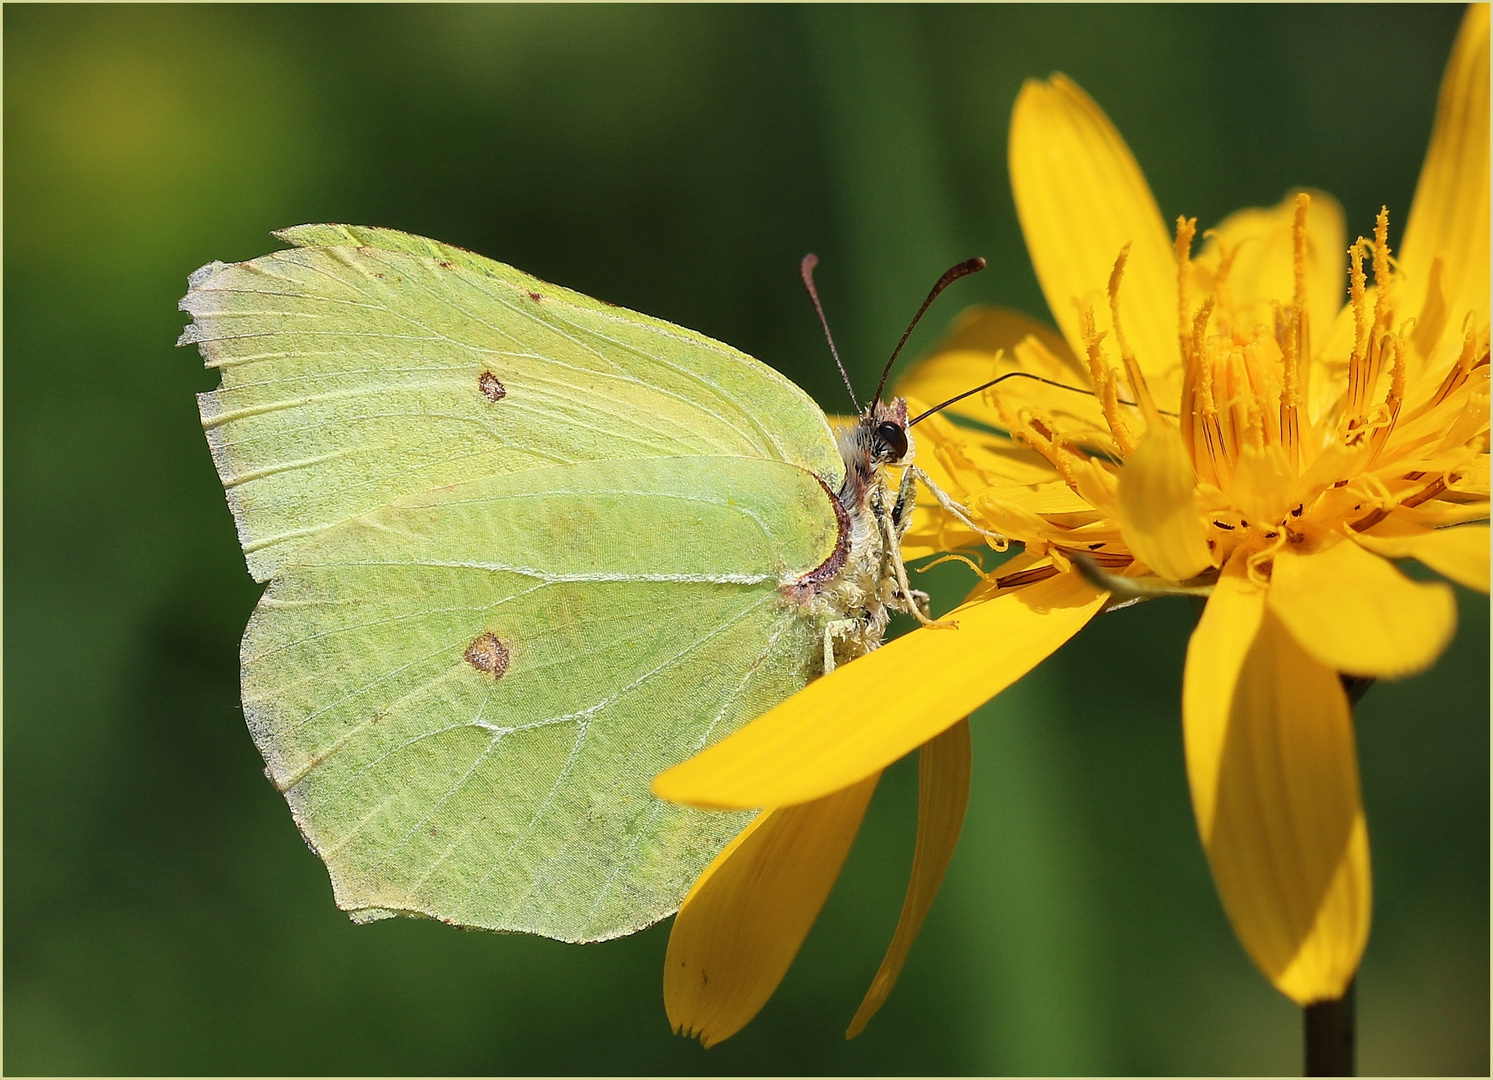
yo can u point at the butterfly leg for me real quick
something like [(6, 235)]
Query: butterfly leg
[(837, 629), (892, 526), (907, 494), (997, 541)]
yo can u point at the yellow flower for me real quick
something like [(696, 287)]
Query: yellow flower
[(1248, 436), (1218, 424)]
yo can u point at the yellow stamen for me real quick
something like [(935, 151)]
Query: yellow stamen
[(1298, 257), (1138, 388), (1183, 248), (1368, 377), (1394, 397), (1262, 357), (1198, 404), (1294, 345), (1186, 230), (1382, 279), (1357, 392), (954, 556), (1036, 432), (1200, 327), (1211, 453), (1104, 380)]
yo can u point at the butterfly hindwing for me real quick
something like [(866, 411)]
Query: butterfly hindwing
[(465, 695)]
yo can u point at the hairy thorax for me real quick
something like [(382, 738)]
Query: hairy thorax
[(856, 598)]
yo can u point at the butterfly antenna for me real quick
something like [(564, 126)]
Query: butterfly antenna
[(1014, 375), (951, 275), (806, 271)]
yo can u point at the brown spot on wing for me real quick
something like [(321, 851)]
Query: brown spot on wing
[(487, 654), (488, 383)]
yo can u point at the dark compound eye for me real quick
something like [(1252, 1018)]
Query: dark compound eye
[(894, 437)]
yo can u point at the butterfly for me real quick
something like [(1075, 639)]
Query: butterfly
[(524, 551)]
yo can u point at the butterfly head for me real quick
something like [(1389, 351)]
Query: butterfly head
[(886, 437), (878, 438)]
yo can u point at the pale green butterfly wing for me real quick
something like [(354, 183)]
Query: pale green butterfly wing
[(465, 695), (367, 364), (368, 373)]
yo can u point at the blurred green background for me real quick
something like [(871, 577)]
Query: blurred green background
[(161, 913)]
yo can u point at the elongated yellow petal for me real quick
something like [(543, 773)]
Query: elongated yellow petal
[(1460, 554), (868, 713), (1449, 217), (943, 794), (1215, 656), (1158, 508), (744, 919), (1274, 776), (1081, 197), (1437, 514), (1355, 612)]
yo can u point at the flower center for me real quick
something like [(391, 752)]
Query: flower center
[(1236, 402)]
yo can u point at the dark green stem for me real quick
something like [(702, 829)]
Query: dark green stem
[(1329, 1030)]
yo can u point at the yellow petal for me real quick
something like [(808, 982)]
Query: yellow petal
[(868, 713), (1215, 655), (1158, 507), (1049, 497), (1460, 554), (1449, 217), (1081, 197), (1274, 776), (1263, 483), (746, 915), (1356, 613), (1263, 269), (1437, 514), (943, 794), (1011, 518)]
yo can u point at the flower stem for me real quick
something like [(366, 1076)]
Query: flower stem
[(1329, 1031), (1329, 1027)]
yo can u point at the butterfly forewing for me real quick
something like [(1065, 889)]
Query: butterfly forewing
[(353, 375)]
